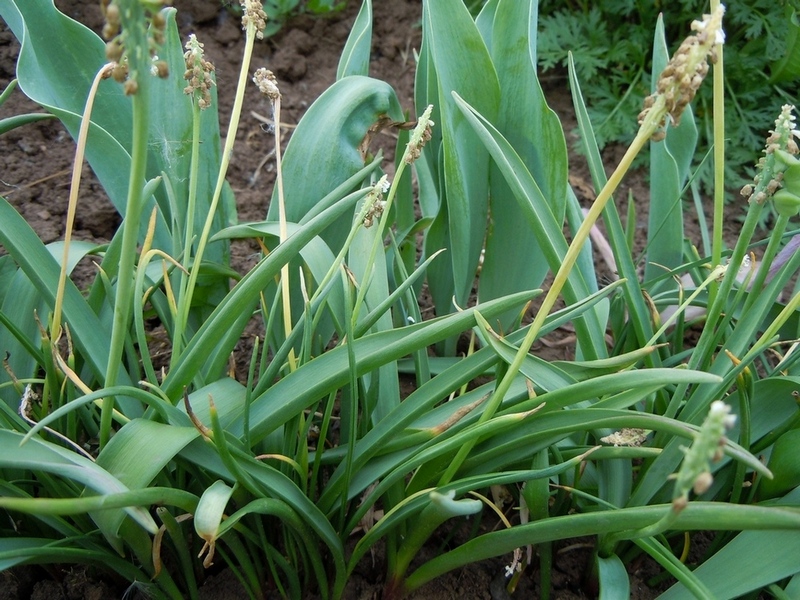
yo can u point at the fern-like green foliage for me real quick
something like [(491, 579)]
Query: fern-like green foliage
[(611, 44)]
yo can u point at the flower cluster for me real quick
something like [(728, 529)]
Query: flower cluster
[(683, 75), (420, 136), (198, 73), (116, 50), (695, 472), (778, 171), (375, 203), (253, 12)]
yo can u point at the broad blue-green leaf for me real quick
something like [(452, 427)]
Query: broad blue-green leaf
[(432, 189), (511, 262), (355, 56), (463, 65), (613, 578), (669, 165), (324, 149), (535, 209), (485, 20), (58, 60)]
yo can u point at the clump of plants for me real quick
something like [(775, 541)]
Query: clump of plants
[(641, 439)]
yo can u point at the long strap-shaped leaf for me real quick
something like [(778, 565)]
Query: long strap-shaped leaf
[(302, 388), (38, 455), (89, 334), (707, 516), (218, 335)]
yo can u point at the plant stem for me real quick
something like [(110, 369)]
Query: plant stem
[(283, 233), (139, 61), (181, 315), (719, 159), (227, 151)]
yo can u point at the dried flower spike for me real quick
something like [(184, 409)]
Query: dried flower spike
[(626, 436), (253, 12), (683, 75), (420, 136), (198, 73), (267, 84)]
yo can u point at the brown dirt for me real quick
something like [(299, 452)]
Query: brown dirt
[(34, 176)]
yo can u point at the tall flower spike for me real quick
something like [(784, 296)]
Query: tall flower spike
[(253, 11), (683, 75), (198, 73)]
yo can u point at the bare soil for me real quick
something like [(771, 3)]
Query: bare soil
[(34, 176)]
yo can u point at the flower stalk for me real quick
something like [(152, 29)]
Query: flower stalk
[(268, 85), (718, 107), (419, 137), (253, 22), (200, 80), (136, 54)]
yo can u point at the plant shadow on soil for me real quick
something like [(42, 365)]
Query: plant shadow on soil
[(35, 178)]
